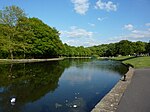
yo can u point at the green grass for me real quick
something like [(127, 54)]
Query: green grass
[(139, 62), (136, 62)]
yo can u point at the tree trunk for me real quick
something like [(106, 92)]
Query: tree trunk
[(24, 55), (10, 70), (11, 54)]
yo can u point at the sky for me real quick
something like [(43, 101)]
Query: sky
[(91, 22)]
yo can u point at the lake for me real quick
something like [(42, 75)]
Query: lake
[(70, 85)]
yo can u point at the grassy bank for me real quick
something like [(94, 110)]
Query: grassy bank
[(136, 62)]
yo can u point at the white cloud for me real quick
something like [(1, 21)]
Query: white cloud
[(108, 6), (147, 24), (100, 19), (129, 27), (80, 42), (78, 37), (91, 42), (134, 35), (91, 24), (139, 34), (77, 33), (81, 6)]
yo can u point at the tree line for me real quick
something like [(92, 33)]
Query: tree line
[(124, 47), (24, 37)]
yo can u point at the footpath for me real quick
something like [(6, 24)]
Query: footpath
[(110, 102), (136, 97), (132, 95)]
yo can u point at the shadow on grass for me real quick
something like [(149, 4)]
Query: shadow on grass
[(129, 58), (124, 59), (129, 65)]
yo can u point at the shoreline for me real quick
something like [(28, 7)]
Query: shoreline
[(3, 61), (109, 103), (8, 61)]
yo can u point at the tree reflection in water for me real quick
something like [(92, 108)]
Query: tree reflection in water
[(28, 82), (33, 84)]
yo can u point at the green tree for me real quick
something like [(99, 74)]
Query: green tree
[(24, 36), (9, 17), (111, 51), (148, 48), (139, 47), (7, 42), (45, 42), (124, 47), (4, 43)]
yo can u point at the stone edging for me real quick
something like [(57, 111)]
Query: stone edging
[(2, 61), (110, 102), (29, 60)]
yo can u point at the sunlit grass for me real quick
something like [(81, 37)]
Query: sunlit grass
[(139, 62), (136, 62)]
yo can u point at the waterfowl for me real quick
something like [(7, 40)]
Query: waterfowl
[(13, 100)]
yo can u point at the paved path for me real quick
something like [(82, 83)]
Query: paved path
[(137, 95)]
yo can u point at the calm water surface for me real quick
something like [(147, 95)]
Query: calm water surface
[(71, 85)]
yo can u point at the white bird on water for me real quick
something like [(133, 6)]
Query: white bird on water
[(13, 100)]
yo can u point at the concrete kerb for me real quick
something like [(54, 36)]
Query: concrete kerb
[(29, 60), (110, 102)]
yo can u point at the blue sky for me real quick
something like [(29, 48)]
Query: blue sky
[(91, 22)]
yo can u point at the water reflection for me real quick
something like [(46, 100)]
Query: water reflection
[(28, 82), (68, 85)]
